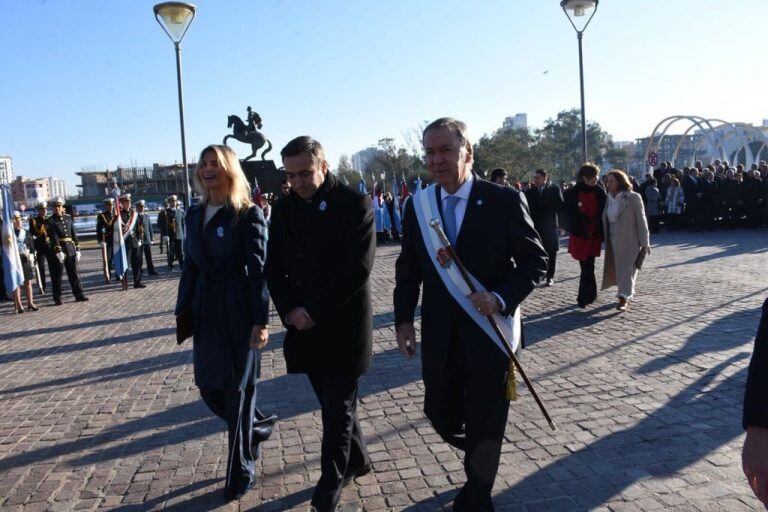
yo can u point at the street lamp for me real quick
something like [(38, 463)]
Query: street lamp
[(175, 18), (576, 10)]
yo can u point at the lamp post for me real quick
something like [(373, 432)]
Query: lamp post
[(175, 18), (574, 10)]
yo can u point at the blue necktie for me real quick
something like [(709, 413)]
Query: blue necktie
[(450, 218)]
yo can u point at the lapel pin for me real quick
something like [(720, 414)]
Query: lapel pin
[(479, 202), (323, 206), (220, 232)]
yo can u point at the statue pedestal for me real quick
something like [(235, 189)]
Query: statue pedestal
[(265, 173)]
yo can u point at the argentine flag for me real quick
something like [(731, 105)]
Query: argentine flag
[(119, 257), (361, 187), (13, 274), (418, 185)]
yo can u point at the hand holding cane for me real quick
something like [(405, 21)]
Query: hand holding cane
[(436, 225)]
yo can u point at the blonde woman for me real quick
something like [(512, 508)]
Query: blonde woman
[(675, 202), (626, 234), (27, 253), (224, 292)]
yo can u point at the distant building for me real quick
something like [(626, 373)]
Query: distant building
[(516, 122), (158, 180), (6, 169), (765, 123), (362, 159), (57, 187)]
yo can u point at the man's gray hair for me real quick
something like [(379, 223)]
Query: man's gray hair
[(454, 125)]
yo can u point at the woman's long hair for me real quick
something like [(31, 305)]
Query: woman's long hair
[(239, 193)]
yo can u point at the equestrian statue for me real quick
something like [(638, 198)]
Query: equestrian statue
[(248, 133)]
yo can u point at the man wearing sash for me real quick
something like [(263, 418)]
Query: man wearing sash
[(464, 366)]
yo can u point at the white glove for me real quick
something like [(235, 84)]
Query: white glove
[(77, 255), (165, 239), (60, 256), (103, 244)]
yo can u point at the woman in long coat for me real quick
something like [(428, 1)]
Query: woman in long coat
[(223, 285), (27, 256), (582, 218), (626, 235)]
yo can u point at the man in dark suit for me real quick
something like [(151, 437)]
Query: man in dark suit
[(147, 235), (43, 252), (464, 371), (692, 191), (319, 258), (545, 202), (755, 453)]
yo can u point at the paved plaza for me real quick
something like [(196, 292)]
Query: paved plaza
[(98, 409)]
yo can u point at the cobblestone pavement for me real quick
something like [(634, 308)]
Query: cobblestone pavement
[(98, 409)]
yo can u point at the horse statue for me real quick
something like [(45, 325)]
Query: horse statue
[(248, 134)]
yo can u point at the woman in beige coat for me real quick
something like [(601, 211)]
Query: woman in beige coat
[(626, 235)]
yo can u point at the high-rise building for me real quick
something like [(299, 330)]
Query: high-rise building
[(6, 169), (57, 187), (516, 122)]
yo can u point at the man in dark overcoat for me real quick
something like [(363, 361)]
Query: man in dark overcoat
[(319, 258), (755, 419), (545, 201), (147, 235), (465, 373)]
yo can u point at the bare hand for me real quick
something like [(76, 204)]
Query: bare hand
[(647, 249), (754, 461), (485, 302), (406, 339), (300, 319), (259, 337)]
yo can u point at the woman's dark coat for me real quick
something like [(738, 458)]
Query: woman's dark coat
[(572, 220), (223, 282), (320, 256)]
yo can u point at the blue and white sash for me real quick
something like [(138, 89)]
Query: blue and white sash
[(425, 205)]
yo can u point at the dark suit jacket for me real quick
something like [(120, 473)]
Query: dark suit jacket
[(755, 397), (226, 301), (60, 228), (690, 189), (575, 222), (497, 244), (319, 257), (545, 207)]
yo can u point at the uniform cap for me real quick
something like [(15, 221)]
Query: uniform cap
[(141, 202), (16, 214), (109, 200), (57, 200), (125, 196), (42, 204)]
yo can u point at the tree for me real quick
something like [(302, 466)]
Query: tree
[(510, 149), (558, 143), (345, 172)]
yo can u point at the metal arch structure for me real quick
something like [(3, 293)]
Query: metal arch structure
[(717, 134)]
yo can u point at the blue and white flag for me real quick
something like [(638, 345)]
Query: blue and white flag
[(361, 187), (417, 185), (119, 257), (13, 273), (396, 206)]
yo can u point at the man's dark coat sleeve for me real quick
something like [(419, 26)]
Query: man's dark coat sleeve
[(756, 395)]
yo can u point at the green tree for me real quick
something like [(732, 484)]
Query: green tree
[(345, 172), (512, 150), (558, 143)]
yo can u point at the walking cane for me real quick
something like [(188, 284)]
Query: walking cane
[(436, 225)]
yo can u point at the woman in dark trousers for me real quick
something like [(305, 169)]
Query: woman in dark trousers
[(223, 285), (582, 218)]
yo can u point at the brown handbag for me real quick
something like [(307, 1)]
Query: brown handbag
[(184, 325)]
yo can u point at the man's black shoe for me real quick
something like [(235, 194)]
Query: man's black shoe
[(154, 273), (354, 474), (139, 285), (57, 302), (82, 298)]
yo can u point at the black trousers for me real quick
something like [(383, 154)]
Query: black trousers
[(241, 459), (465, 400), (57, 271), (42, 257), (343, 450), (587, 282), (175, 252), (551, 246), (136, 263), (147, 248)]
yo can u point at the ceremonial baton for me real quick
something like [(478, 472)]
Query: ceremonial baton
[(105, 263), (436, 225), (38, 279)]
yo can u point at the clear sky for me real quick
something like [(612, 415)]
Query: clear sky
[(93, 82)]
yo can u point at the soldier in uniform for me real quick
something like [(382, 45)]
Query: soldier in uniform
[(105, 231), (64, 247), (40, 242), (148, 236), (132, 242), (173, 232)]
